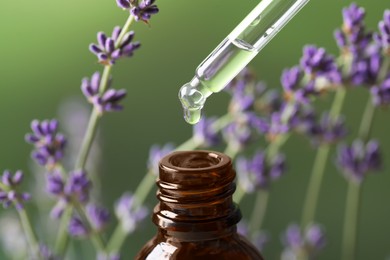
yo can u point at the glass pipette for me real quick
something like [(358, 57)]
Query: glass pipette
[(235, 52)]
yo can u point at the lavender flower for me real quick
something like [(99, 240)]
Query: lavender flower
[(205, 134), (8, 193), (273, 127), (108, 49), (290, 79), (49, 145), (381, 93), (240, 132), (353, 17), (98, 216), (141, 9), (128, 214), (293, 91), (77, 228), (311, 242), (258, 172), (317, 63), (356, 160), (327, 130), (362, 57), (383, 38), (107, 101), (55, 183), (156, 153), (78, 186)]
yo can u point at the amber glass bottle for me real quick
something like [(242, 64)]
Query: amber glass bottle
[(196, 216)]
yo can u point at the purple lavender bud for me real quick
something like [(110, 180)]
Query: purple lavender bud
[(315, 237), (353, 16), (205, 134), (290, 79), (381, 94), (327, 130), (128, 214), (125, 4), (384, 30), (316, 62), (49, 145), (340, 38), (259, 172), (109, 49), (77, 228), (373, 156), (156, 153), (144, 10), (58, 209), (101, 38), (357, 160), (6, 178), (78, 185), (292, 237), (11, 196), (55, 183), (241, 132), (98, 216)]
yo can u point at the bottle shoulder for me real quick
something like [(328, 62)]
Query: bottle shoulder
[(233, 247)]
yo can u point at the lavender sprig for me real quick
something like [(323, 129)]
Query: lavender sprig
[(9, 195)]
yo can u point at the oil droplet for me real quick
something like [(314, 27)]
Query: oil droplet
[(192, 116), (192, 100)]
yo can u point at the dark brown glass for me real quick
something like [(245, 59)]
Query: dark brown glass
[(196, 216)]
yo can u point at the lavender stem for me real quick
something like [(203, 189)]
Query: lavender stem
[(351, 217), (97, 240), (260, 208), (262, 196), (62, 237), (319, 166), (61, 243), (29, 232), (351, 220)]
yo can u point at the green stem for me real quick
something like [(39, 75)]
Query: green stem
[(262, 197), (88, 139), (366, 123), (62, 237), (313, 189), (125, 29), (29, 232), (351, 219), (144, 188), (238, 194), (319, 166), (259, 211), (61, 243), (117, 239), (97, 240), (338, 103)]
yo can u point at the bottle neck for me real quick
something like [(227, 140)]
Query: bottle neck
[(195, 194)]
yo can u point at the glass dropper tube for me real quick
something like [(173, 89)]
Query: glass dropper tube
[(235, 52)]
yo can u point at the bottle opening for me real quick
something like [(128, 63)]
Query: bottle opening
[(196, 160)]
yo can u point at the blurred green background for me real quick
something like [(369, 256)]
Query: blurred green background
[(44, 54)]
